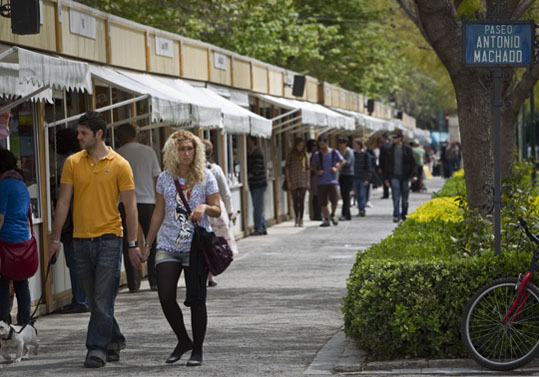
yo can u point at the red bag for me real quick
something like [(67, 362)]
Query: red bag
[(19, 260)]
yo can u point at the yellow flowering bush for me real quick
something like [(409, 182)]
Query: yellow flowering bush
[(445, 209), (459, 173)]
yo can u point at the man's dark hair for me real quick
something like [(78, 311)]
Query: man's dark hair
[(342, 140), (128, 130), (322, 138), (254, 139), (94, 121), (385, 135)]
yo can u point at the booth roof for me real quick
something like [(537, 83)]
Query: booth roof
[(311, 113), (23, 72)]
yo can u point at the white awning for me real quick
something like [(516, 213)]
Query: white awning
[(371, 123), (204, 113), (236, 119), (23, 72), (168, 104), (312, 113)]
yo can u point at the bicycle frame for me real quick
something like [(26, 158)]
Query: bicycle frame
[(520, 300)]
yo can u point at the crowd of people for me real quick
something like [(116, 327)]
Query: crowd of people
[(191, 191), (351, 171)]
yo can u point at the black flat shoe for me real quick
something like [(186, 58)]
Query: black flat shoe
[(195, 360), (180, 349)]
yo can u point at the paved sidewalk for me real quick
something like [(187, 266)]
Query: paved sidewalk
[(275, 312)]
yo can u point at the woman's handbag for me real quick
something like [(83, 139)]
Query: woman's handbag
[(217, 253), (19, 260)]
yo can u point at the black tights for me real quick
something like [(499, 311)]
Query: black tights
[(168, 274), (298, 198)]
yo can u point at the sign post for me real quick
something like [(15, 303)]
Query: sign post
[(498, 45)]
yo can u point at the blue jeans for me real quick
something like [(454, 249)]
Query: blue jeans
[(361, 191), (78, 296), (22, 292), (257, 196), (98, 266), (400, 188)]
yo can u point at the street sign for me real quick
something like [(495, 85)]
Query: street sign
[(498, 44)]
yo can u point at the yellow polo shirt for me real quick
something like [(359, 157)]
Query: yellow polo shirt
[(96, 190)]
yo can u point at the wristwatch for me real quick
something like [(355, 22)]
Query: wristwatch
[(132, 244)]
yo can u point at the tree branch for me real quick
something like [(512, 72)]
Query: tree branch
[(521, 8), (522, 89), (412, 13)]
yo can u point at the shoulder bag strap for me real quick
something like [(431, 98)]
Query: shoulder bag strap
[(182, 197), (30, 218)]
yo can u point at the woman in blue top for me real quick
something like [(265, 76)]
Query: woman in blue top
[(14, 204), (184, 161)]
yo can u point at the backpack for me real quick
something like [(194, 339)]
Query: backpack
[(452, 153)]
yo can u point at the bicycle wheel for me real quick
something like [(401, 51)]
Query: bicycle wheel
[(492, 343)]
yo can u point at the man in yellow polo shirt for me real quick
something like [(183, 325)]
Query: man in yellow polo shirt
[(97, 176)]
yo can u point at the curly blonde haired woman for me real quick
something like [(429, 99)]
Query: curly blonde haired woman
[(184, 161)]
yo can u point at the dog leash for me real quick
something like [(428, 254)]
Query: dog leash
[(32, 318)]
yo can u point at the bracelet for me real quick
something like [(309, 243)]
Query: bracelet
[(147, 245), (55, 241), (132, 244)]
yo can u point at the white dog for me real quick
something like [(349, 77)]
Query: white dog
[(12, 338)]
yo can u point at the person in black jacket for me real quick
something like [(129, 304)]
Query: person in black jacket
[(362, 174), (256, 174), (384, 150), (399, 168)]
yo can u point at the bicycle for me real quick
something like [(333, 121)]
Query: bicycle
[(500, 325)]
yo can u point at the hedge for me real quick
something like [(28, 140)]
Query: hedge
[(412, 307)]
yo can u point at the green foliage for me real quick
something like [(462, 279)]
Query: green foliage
[(413, 307), (359, 45), (468, 8), (454, 186), (406, 294)]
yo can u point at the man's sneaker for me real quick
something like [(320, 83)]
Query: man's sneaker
[(325, 222), (334, 220), (396, 219), (362, 213), (368, 205)]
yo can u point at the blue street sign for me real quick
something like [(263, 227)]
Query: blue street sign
[(499, 43)]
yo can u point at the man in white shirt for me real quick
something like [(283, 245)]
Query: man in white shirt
[(145, 166)]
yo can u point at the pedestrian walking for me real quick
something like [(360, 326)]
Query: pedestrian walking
[(419, 157), (385, 146), (326, 164), (66, 145), (314, 206), (363, 168), (185, 170), (256, 175), (14, 205), (399, 168), (145, 166), (298, 178), (346, 177), (97, 177), (222, 225)]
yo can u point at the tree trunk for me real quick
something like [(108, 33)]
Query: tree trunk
[(438, 22), (474, 102)]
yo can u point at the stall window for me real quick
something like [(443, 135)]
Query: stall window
[(233, 159), (21, 140)]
